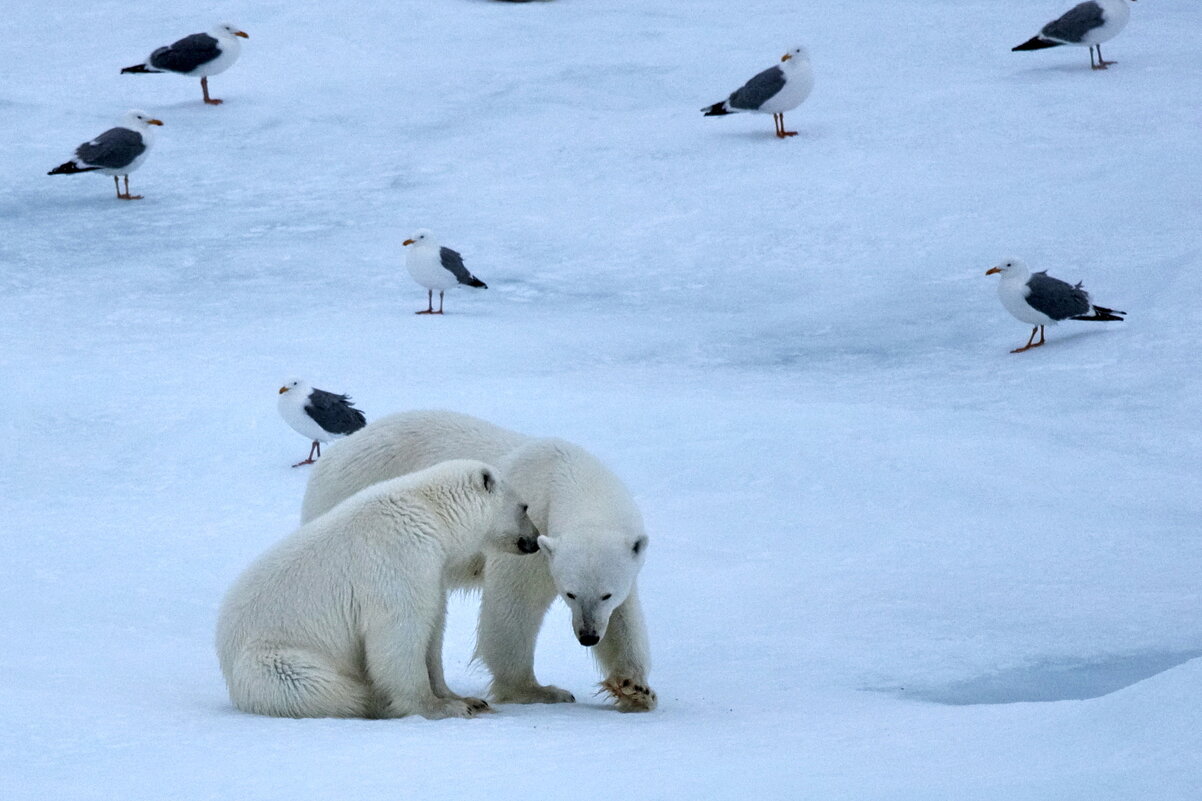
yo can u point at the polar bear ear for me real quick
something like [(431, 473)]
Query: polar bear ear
[(640, 545), (487, 479)]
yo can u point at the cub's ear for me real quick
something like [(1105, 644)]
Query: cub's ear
[(547, 544), (640, 545), (488, 480)]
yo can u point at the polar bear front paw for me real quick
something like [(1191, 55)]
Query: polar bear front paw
[(478, 704), (453, 708), (629, 695), (532, 694)]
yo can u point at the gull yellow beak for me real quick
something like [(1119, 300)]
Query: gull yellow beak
[(786, 57), (154, 122), (242, 34), (993, 270), (407, 242), (283, 390)]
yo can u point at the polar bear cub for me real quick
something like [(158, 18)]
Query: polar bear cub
[(344, 617)]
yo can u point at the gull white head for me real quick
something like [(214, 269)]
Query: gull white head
[(1011, 270), (138, 120), (422, 236), (226, 30), (795, 55), (298, 386)]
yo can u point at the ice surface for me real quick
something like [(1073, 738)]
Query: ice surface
[(789, 350)]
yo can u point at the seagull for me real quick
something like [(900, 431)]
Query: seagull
[(1089, 23), (117, 151), (774, 91), (1039, 299), (436, 267), (317, 415), (202, 54)]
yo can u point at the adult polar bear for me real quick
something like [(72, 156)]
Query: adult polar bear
[(592, 535), (344, 618)]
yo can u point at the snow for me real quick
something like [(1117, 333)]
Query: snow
[(889, 559)]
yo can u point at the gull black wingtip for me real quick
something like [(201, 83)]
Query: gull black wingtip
[(717, 110), (1103, 315), (1035, 43), (70, 168)]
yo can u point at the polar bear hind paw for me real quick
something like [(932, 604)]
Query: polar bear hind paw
[(629, 695)]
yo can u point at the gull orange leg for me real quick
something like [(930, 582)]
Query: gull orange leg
[(440, 294), (310, 460), (1031, 343), (127, 195), (781, 133), (1101, 63), (429, 304), (204, 87)]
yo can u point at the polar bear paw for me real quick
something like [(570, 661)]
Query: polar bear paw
[(531, 694), (454, 708), (478, 704), (629, 695)]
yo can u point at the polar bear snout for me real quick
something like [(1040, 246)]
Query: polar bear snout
[(518, 535), (588, 638)]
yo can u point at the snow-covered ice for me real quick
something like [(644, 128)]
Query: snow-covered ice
[(889, 560)]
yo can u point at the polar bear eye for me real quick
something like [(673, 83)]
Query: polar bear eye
[(571, 595), (607, 596)]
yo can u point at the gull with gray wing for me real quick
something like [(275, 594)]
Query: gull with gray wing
[(1086, 24), (117, 151), (436, 267), (317, 415), (1038, 299), (774, 91), (201, 54)]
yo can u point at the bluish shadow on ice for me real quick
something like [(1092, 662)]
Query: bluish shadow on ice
[(1053, 681)]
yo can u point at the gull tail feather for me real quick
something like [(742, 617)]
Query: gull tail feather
[(70, 168), (1035, 43), (1102, 314)]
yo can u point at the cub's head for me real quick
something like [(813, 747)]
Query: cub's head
[(594, 575), (511, 530)]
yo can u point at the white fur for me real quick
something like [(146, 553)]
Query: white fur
[(593, 533), (344, 618)]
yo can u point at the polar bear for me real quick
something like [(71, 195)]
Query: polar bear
[(593, 539), (345, 617)]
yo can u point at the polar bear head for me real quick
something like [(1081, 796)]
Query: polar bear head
[(593, 575), (481, 509)]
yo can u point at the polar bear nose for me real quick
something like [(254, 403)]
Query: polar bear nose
[(588, 638), (528, 544)]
